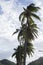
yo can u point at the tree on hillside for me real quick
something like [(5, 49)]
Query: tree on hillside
[(28, 30)]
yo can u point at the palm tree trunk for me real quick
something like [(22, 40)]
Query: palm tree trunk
[(20, 55), (25, 47)]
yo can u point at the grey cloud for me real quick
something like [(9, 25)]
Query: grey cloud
[(6, 47), (1, 11), (7, 43), (38, 44), (6, 0), (5, 54)]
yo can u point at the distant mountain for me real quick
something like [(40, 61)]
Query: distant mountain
[(6, 62), (37, 62)]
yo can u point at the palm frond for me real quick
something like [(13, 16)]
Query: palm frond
[(15, 31), (34, 26), (22, 20), (35, 16), (21, 15), (35, 32), (13, 54), (20, 34), (32, 4), (31, 21), (32, 8)]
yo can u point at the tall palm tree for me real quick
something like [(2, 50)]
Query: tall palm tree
[(28, 30), (27, 15)]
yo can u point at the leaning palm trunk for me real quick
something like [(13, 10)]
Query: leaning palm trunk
[(20, 55), (25, 45), (25, 48)]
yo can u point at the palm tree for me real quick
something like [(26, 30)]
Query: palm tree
[(29, 29), (27, 15), (20, 57)]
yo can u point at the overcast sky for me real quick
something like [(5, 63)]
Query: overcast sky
[(9, 22)]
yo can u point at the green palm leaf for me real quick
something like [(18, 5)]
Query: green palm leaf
[(14, 54), (21, 15), (35, 16), (17, 30), (32, 8)]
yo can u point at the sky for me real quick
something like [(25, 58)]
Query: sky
[(9, 22)]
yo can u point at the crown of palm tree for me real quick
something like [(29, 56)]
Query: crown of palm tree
[(29, 12)]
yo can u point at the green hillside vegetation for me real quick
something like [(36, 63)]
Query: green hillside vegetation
[(6, 62), (1, 63), (37, 62)]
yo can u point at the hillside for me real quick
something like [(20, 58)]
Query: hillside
[(37, 62), (6, 62), (1, 64)]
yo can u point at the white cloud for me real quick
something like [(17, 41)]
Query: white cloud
[(7, 22)]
